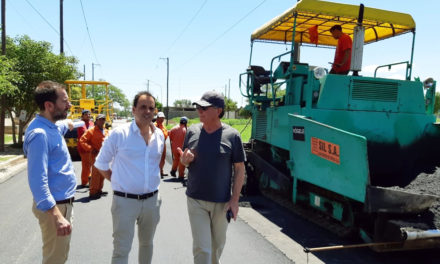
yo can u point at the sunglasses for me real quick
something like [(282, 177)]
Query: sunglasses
[(203, 108)]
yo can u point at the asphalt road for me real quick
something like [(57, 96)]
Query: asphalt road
[(20, 240)]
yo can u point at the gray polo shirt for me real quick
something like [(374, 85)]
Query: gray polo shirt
[(210, 173)]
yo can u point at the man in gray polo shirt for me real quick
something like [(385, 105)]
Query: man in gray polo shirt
[(212, 150)]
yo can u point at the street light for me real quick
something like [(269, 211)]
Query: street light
[(168, 74)]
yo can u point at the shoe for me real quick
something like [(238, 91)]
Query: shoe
[(163, 174), (95, 196), (82, 186), (173, 173), (184, 182), (103, 193), (180, 179)]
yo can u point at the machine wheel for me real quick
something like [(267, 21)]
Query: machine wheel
[(264, 182)]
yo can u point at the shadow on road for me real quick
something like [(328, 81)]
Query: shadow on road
[(308, 234)]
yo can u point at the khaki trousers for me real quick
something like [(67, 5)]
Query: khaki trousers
[(208, 226), (125, 213), (55, 248)]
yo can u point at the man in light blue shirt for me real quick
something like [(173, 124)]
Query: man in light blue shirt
[(50, 170)]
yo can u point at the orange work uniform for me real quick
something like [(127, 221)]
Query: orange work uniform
[(165, 133), (344, 43), (85, 155), (91, 142), (177, 136)]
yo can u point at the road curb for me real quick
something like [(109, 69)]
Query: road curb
[(12, 167)]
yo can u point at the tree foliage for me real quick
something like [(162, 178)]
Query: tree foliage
[(182, 103), (35, 62), (230, 105), (437, 103), (8, 76)]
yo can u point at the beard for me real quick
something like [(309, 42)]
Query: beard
[(59, 115)]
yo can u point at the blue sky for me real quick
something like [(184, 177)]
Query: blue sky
[(206, 41)]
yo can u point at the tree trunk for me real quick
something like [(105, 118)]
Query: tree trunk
[(14, 138)]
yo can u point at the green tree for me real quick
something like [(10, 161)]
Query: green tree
[(36, 62), (437, 103), (229, 106), (182, 103), (8, 78)]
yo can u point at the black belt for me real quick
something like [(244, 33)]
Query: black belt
[(69, 201), (135, 196)]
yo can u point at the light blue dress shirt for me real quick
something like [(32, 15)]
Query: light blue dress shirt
[(50, 169)]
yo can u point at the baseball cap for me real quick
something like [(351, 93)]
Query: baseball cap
[(100, 116), (183, 120), (211, 98), (160, 114), (85, 111)]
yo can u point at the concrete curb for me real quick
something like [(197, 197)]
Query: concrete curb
[(12, 167)]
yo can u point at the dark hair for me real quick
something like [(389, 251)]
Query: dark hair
[(222, 113), (336, 27), (139, 94), (47, 91)]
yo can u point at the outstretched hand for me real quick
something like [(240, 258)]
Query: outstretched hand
[(186, 157)]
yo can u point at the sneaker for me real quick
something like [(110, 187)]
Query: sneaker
[(173, 173)]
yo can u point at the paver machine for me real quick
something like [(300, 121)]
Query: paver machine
[(342, 148), (81, 97)]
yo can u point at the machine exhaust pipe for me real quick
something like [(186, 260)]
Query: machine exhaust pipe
[(421, 234)]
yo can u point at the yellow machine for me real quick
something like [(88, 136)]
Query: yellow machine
[(77, 91)]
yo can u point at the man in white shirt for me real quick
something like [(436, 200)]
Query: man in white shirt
[(134, 151)]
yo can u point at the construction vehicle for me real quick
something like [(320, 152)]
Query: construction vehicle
[(80, 94), (335, 145)]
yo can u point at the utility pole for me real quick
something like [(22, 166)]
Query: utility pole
[(61, 28), (168, 77), (93, 77), (229, 93), (84, 72), (148, 85), (3, 97), (226, 105)]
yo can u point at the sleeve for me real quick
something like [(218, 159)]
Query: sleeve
[(185, 141), (38, 160), (108, 152), (80, 131), (238, 154), (63, 127), (85, 139)]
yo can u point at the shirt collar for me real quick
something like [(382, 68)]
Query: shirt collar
[(136, 129), (45, 121)]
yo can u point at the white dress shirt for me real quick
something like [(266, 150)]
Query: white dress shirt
[(134, 164)]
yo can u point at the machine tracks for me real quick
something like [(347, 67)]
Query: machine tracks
[(313, 216)]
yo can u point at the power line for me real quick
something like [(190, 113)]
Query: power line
[(50, 25), (88, 32), (222, 34), (189, 23)]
